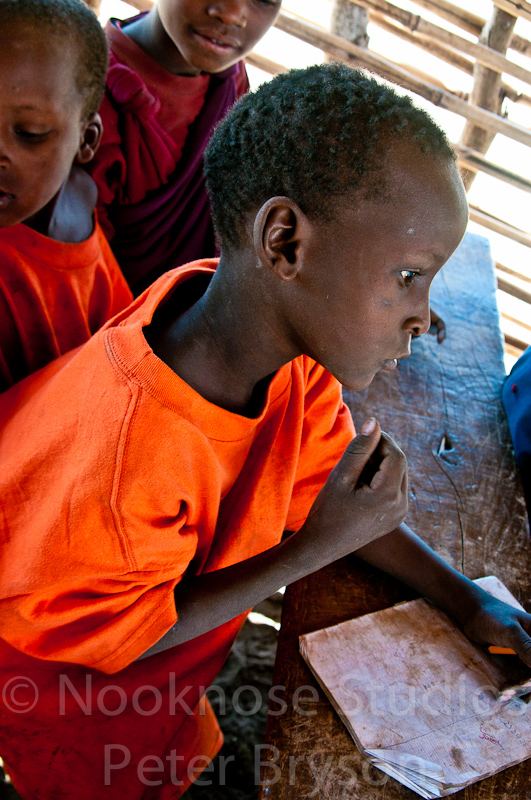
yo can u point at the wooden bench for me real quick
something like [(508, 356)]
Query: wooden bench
[(443, 407)]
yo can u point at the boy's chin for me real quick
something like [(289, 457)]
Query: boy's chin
[(358, 382)]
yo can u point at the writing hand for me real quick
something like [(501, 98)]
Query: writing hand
[(364, 497), (500, 624)]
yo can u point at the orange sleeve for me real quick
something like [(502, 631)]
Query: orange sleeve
[(97, 556), (327, 430), (110, 283)]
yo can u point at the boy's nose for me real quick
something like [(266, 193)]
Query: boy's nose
[(420, 323), (230, 12)]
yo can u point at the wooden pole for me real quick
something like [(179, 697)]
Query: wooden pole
[(469, 22), (486, 91), (350, 21), (513, 272), (480, 52), (475, 161), (345, 51), (265, 64), (429, 45), (444, 53), (517, 8), (499, 226), (459, 17)]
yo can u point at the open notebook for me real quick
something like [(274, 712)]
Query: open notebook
[(419, 699)]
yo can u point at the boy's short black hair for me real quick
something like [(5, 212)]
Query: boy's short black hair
[(69, 18), (311, 135)]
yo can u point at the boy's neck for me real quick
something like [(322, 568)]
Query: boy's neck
[(69, 216), (150, 35), (224, 346)]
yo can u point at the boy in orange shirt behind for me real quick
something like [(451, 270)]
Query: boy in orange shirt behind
[(59, 281)]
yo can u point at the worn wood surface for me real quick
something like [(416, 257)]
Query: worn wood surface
[(443, 407)]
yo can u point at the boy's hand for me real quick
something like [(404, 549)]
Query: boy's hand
[(437, 326), (364, 497), (497, 623)]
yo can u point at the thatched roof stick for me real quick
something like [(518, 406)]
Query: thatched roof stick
[(513, 272), (499, 226), (469, 22), (518, 8), (265, 64), (473, 160), (339, 48), (480, 52)]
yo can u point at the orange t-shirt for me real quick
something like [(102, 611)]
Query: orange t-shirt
[(129, 480), (53, 297)]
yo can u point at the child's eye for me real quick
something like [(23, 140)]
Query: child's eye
[(30, 137), (408, 276)]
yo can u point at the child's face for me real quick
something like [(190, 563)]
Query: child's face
[(41, 127), (212, 36), (368, 272)]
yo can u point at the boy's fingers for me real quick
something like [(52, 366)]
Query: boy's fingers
[(521, 644), (392, 466), (371, 459), (358, 452)]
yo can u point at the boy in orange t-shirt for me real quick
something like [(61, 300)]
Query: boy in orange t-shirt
[(59, 281), (145, 514)]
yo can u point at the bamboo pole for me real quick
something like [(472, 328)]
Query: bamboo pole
[(519, 322), (265, 64), (499, 226), (514, 291), (345, 51), (486, 91), (468, 22), (350, 20), (446, 54), (458, 16), (513, 272), (475, 161), (429, 45), (480, 52), (517, 345), (518, 8)]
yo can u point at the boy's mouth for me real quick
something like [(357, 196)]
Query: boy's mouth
[(389, 364), (221, 45), (6, 198)]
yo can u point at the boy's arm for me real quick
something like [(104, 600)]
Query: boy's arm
[(364, 497), (483, 618)]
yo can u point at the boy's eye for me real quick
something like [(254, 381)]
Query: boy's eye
[(408, 276), (30, 136)]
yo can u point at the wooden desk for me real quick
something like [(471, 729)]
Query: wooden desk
[(443, 408)]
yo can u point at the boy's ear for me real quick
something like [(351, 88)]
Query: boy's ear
[(280, 232), (90, 139)]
